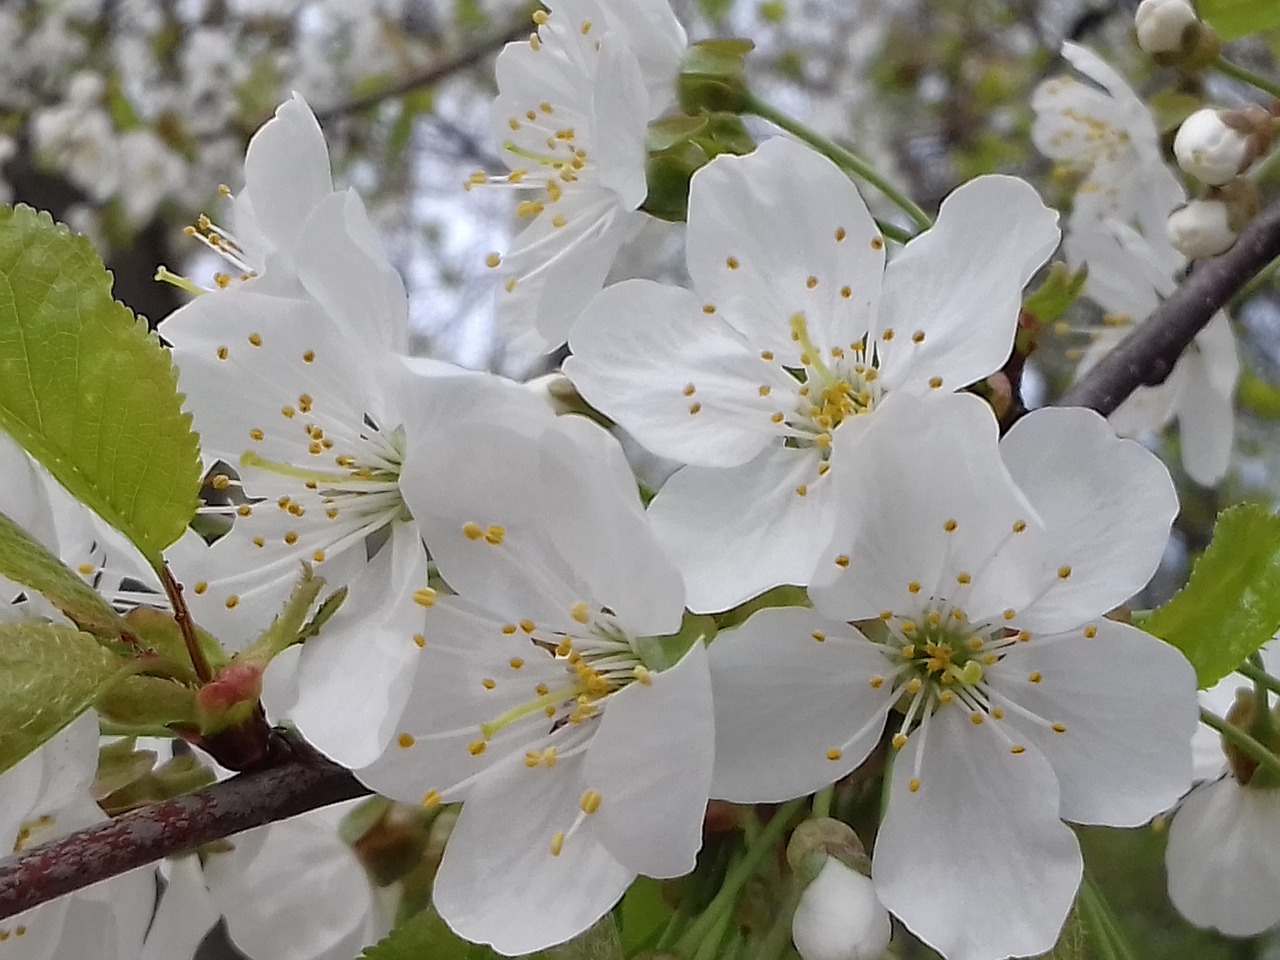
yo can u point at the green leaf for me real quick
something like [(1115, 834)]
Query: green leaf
[(1230, 606), (86, 389), (1239, 18), (49, 675), (24, 560)]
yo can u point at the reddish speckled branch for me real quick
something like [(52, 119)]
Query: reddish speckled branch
[(1146, 356), (296, 779)]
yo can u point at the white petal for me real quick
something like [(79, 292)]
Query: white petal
[(1107, 505), (960, 284), (976, 861), (354, 676), (1206, 426), (619, 105), (799, 234), (499, 882), (1223, 858), (1128, 703), (738, 531), (650, 760), (638, 348), (185, 915), (784, 699)]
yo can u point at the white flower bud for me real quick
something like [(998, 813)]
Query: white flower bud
[(1201, 228), (1209, 149), (1162, 25), (839, 917)]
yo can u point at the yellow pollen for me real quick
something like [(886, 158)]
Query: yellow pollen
[(287, 412), (876, 682), (545, 107), (731, 263), (1090, 632), (1034, 677), (200, 587), (963, 579), (472, 531), (1064, 571), (950, 526), (974, 644), (86, 569), (515, 663), (918, 337), (493, 260), (424, 597), (1019, 526), (842, 560), (778, 417), (997, 713), (935, 383), (255, 339), (975, 718), (256, 434), (494, 534), (476, 747), (877, 243), (431, 799), (913, 587), (689, 390), (220, 481), (1058, 728), (405, 740), (559, 220), (305, 402), (946, 696), (231, 602), (557, 843), (846, 292), (695, 407), (580, 612), (488, 684), (259, 542), (913, 784), (527, 626), (1017, 748), (222, 353), (420, 640), (509, 629), (309, 356), (586, 27), (840, 234), (811, 282), (528, 208), (914, 686), (332, 513), (1023, 636), (766, 354), (1008, 614), (802, 490), (819, 636), (291, 537), (834, 754), (590, 802)]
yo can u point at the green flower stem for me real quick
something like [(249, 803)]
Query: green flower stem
[(738, 875), (822, 801), (1245, 75), (1102, 921), (843, 158), (1242, 740), (1262, 728), (776, 939), (1255, 672)]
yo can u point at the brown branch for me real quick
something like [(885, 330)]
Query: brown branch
[(1145, 357), (432, 74), (297, 779), (182, 617)]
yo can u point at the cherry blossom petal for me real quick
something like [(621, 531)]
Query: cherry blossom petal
[(795, 705), (783, 232), (953, 295), (739, 531), (650, 761), (508, 889), (185, 915), (683, 382), (1128, 705), (1223, 858), (975, 861), (1107, 505), (619, 106)]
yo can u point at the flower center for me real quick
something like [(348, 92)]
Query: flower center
[(832, 391)]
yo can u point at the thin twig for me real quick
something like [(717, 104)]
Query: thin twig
[(432, 74), (182, 617), (1145, 357), (299, 779)]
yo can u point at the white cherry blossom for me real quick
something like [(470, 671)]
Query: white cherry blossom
[(980, 572), (758, 377), (580, 743), (573, 107)]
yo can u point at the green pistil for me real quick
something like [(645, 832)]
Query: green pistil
[(551, 699), (251, 459), (812, 356)]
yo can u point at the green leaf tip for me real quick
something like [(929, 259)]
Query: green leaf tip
[(1230, 606), (87, 389)]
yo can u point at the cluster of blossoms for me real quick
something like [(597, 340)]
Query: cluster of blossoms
[(584, 668)]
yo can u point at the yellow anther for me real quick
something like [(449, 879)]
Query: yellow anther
[(509, 629), (975, 718), (778, 417), (997, 713), (963, 579), (834, 754), (846, 292), (1019, 526), (695, 408), (819, 636), (86, 569), (559, 221), (689, 390), (811, 281), (557, 843), (488, 683), (1090, 632), (1017, 748), (1034, 677), (1023, 636), (528, 208), (222, 353), (406, 740), (476, 747), (1058, 728), (431, 799), (642, 674), (913, 784), (220, 481), (255, 339), (291, 537), (256, 434), (950, 526), (802, 490), (946, 696), (424, 597), (840, 234), (580, 612), (200, 586), (308, 356), (914, 686), (731, 263), (918, 337), (766, 354), (876, 682), (493, 260), (259, 542), (495, 533), (472, 531), (515, 663), (877, 243), (231, 602), (899, 740), (420, 640), (842, 560), (527, 626), (590, 802), (913, 587), (1064, 571)]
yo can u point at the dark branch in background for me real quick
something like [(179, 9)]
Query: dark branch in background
[(432, 74), (298, 779), (1145, 357)]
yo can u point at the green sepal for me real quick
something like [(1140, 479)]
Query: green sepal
[(291, 625), (87, 390), (662, 653), (148, 702), (1058, 292), (49, 675), (1230, 606), (25, 560), (711, 76), (157, 630)]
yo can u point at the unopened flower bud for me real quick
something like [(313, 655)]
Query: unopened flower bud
[(1162, 25), (1216, 145), (1201, 228), (839, 917)]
